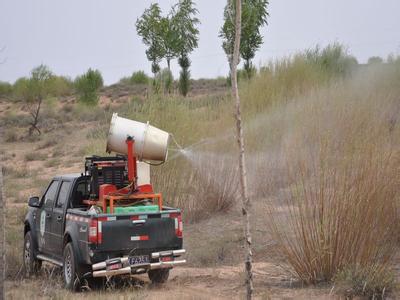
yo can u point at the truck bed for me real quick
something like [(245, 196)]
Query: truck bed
[(103, 236)]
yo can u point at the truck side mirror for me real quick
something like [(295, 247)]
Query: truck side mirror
[(34, 201)]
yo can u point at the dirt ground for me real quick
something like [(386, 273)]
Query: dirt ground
[(223, 282)]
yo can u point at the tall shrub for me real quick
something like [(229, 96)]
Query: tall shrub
[(87, 86), (6, 89), (139, 77), (338, 178)]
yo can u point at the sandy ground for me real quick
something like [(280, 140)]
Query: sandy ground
[(223, 282)]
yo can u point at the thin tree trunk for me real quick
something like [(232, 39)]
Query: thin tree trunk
[(2, 238), (35, 116), (242, 166)]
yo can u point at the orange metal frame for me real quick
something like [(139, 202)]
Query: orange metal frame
[(108, 193), (109, 199)]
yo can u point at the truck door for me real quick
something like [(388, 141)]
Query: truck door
[(44, 218), (58, 218)]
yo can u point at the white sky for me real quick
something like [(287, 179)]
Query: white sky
[(71, 36)]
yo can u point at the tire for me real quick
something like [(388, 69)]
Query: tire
[(159, 276), (71, 271), (31, 264)]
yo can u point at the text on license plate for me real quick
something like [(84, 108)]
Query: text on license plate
[(139, 259)]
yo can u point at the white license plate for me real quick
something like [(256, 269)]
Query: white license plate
[(138, 260)]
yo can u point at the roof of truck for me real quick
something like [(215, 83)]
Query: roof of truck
[(68, 176)]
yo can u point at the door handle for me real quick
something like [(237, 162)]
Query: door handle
[(59, 218)]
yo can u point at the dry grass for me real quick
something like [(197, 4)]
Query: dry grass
[(339, 178), (32, 156), (372, 282)]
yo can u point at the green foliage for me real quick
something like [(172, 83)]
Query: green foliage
[(375, 60), (6, 89), (164, 80), (254, 16), (139, 77), (159, 34), (33, 91), (184, 75), (185, 26), (61, 86), (56, 86), (333, 58), (171, 36), (38, 86), (21, 88), (87, 86), (148, 26)]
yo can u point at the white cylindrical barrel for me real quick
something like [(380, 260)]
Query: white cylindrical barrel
[(151, 143)]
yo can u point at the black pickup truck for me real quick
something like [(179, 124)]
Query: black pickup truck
[(60, 229)]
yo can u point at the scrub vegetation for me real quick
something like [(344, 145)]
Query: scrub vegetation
[(323, 147)]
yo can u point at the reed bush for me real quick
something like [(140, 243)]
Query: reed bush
[(373, 282), (337, 204)]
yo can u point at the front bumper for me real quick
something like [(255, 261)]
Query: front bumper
[(100, 269)]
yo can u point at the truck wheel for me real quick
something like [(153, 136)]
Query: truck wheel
[(158, 276), (71, 274), (31, 264)]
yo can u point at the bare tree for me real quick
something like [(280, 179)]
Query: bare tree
[(242, 166), (32, 91)]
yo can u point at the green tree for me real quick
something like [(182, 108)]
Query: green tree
[(33, 91), (373, 60), (254, 16), (149, 27), (184, 75), (87, 86), (185, 25), (169, 37)]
